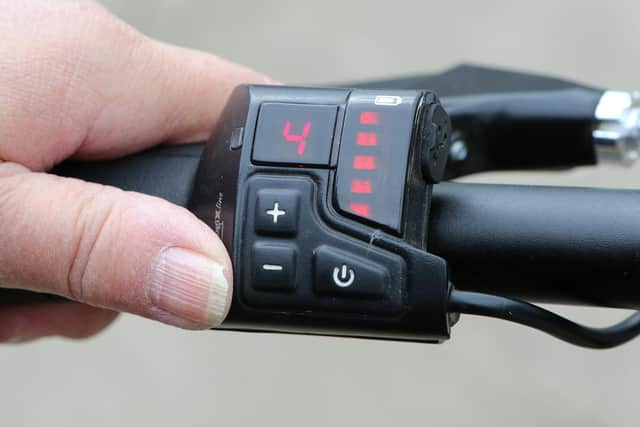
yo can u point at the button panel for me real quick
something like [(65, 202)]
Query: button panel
[(331, 271), (297, 134)]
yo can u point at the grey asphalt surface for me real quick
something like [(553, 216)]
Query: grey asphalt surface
[(139, 373)]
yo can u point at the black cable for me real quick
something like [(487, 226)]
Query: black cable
[(536, 317)]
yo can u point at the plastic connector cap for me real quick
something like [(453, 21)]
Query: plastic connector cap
[(435, 135)]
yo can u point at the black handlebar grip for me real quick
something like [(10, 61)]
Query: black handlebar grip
[(166, 172), (546, 244)]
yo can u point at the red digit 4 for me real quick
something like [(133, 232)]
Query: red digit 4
[(300, 139)]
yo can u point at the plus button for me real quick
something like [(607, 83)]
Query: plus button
[(276, 213)]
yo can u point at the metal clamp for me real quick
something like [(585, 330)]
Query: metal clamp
[(617, 131)]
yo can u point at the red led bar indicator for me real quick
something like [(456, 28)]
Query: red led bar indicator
[(361, 209), (369, 118), (367, 139), (361, 186), (364, 162)]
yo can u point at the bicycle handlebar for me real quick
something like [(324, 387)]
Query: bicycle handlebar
[(546, 244)]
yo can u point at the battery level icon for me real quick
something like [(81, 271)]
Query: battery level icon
[(388, 101)]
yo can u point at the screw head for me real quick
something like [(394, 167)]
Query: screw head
[(459, 150)]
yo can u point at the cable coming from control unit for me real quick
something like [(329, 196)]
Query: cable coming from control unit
[(536, 317)]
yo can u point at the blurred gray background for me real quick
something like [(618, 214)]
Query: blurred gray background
[(490, 374)]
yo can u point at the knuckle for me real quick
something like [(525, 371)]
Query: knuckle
[(96, 224), (61, 74)]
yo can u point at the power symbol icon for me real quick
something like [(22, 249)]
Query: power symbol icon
[(343, 276)]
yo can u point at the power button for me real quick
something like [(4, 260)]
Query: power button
[(340, 273)]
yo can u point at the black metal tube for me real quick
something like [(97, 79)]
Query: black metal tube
[(524, 130), (546, 244)]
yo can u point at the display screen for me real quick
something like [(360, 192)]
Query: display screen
[(374, 150), (299, 134)]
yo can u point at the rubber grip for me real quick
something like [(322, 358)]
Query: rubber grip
[(166, 172)]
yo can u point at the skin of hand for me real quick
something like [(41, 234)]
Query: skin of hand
[(76, 82)]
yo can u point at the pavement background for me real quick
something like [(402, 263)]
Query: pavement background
[(491, 373)]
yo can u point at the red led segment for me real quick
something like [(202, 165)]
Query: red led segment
[(367, 139), (300, 139), (364, 162), (361, 209), (361, 186), (369, 118)]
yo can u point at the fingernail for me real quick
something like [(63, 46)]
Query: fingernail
[(189, 286)]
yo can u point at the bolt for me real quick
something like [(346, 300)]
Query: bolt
[(459, 150)]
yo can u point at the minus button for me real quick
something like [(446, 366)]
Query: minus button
[(274, 267)]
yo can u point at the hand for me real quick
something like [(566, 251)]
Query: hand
[(75, 82)]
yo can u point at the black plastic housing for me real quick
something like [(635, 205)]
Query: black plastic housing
[(220, 198)]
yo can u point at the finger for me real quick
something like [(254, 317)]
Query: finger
[(111, 249), (86, 84), (23, 323)]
